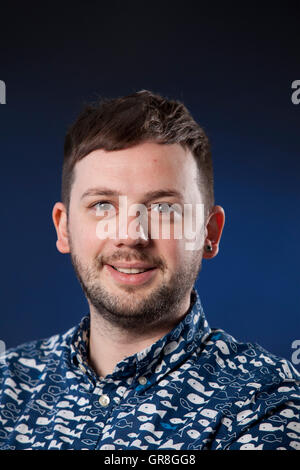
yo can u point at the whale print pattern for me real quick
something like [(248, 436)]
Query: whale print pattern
[(196, 388)]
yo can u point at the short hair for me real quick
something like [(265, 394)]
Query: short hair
[(124, 122)]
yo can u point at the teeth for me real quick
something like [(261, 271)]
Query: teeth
[(130, 270)]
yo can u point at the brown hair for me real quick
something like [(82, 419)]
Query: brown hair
[(120, 123)]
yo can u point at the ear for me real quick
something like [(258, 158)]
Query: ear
[(214, 227), (60, 219)]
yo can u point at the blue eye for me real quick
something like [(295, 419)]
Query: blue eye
[(163, 207), (101, 207)]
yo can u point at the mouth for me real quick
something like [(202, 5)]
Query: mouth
[(133, 275), (132, 270)]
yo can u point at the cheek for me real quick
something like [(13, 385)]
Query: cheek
[(84, 239), (173, 252), (178, 257)]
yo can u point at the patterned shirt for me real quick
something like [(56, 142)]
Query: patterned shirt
[(196, 388)]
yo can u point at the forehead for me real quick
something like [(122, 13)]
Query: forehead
[(138, 170)]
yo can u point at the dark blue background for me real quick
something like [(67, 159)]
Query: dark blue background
[(233, 68)]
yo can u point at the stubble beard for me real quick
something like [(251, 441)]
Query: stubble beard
[(132, 311)]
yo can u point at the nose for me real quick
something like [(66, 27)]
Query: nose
[(134, 233)]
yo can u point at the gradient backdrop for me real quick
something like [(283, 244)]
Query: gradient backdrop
[(233, 68)]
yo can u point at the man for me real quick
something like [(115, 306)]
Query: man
[(143, 370)]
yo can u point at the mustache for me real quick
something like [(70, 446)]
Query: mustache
[(131, 257)]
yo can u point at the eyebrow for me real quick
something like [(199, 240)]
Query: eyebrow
[(149, 196)]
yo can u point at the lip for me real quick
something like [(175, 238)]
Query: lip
[(130, 279), (134, 265)]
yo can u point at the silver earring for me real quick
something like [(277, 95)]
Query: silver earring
[(208, 248)]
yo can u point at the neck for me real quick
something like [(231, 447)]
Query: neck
[(108, 345)]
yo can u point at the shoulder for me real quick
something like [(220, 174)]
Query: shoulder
[(247, 374), (247, 361), (260, 389), (26, 362)]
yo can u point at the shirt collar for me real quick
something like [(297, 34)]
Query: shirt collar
[(165, 354)]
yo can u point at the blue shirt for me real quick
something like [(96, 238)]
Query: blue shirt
[(195, 388)]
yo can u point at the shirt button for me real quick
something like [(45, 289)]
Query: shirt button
[(104, 400), (142, 380), (82, 368)]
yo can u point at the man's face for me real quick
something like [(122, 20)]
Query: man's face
[(134, 300)]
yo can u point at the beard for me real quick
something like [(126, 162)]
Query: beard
[(133, 310)]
